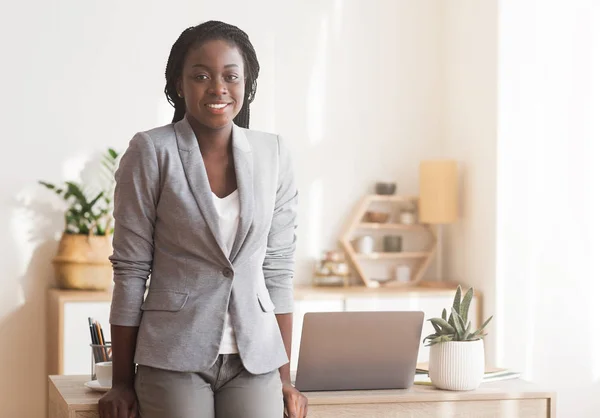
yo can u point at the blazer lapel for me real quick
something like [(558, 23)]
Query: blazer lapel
[(195, 171), (244, 172)]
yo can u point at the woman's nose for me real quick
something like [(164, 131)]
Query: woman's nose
[(218, 87)]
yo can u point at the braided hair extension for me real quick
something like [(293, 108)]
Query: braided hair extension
[(212, 30)]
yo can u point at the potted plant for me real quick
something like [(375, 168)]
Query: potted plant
[(456, 356), (82, 260)]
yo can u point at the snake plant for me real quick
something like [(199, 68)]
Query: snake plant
[(456, 326)]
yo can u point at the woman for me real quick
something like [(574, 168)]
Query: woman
[(209, 208)]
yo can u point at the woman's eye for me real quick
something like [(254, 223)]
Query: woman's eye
[(232, 77), (200, 77)]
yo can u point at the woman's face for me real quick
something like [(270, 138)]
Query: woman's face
[(212, 83)]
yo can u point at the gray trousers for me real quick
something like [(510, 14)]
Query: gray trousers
[(227, 390)]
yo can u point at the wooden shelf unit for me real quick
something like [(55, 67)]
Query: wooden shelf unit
[(388, 227), (356, 223), (392, 256)]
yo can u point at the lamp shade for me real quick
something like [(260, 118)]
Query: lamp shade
[(438, 192)]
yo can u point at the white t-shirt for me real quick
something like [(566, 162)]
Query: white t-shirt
[(228, 209)]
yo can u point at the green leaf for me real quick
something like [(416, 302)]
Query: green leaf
[(75, 190), (94, 201), (444, 325), (48, 185), (464, 306), (451, 320), (440, 339), (437, 328), (444, 314), (113, 153), (457, 296), (460, 329), (481, 328)]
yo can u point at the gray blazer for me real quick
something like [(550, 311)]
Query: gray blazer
[(166, 224)]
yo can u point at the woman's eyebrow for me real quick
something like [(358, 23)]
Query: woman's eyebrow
[(208, 67)]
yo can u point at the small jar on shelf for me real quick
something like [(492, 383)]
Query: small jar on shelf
[(332, 270), (408, 215)]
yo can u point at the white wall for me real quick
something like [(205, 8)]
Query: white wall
[(469, 45), (548, 197), (353, 87)]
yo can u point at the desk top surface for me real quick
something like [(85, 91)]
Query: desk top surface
[(301, 292), (77, 396)]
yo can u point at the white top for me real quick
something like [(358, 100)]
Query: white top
[(228, 210)]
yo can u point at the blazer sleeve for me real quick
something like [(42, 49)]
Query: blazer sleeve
[(278, 266), (135, 200)]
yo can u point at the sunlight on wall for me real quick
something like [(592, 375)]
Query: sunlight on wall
[(594, 210), (315, 214), (337, 18), (164, 112), (549, 200), (72, 168), (316, 102)]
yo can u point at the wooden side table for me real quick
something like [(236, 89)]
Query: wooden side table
[(68, 398)]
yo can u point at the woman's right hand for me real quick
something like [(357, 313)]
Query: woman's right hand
[(119, 402)]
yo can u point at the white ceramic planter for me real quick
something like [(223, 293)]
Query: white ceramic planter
[(457, 365)]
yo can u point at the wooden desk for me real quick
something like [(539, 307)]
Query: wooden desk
[(68, 398)]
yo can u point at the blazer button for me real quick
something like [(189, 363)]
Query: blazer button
[(228, 273)]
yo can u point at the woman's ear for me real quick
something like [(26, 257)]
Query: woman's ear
[(179, 87)]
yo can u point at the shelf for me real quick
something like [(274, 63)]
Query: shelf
[(392, 198), (389, 227), (420, 260), (392, 256)]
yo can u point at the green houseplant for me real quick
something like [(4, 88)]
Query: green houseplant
[(456, 356), (82, 261)]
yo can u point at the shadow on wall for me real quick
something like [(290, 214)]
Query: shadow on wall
[(23, 317), (35, 226)]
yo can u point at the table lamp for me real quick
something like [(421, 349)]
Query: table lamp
[(438, 199)]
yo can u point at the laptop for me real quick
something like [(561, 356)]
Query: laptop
[(358, 350)]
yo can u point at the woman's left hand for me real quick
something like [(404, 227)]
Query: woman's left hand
[(295, 403)]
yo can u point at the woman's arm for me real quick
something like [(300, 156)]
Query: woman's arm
[(278, 265), (123, 350), (136, 196), (278, 268), (285, 326)]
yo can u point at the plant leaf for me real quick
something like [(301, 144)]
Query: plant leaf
[(464, 306), (444, 314), (457, 296), (440, 339), (444, 325), (437, 328), (481, 328), (460, 329), (48, 185)]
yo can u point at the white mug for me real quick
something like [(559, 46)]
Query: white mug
[(365, 244), (104, 373)]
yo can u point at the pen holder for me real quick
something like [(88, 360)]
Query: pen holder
[(100, 353)]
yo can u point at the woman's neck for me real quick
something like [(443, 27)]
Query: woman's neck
[(211, 140)]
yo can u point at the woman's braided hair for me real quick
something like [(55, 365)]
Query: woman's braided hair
[(212, 30)]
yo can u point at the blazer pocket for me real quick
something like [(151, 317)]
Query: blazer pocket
[(265, 302), (164, 300)]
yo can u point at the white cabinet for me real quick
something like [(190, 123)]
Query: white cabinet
[(68, 330), (431, 303)]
